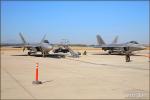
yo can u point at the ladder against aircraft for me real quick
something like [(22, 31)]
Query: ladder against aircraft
[(73, 54)]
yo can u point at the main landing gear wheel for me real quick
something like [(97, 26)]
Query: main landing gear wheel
[(109, 52), (29, 53)]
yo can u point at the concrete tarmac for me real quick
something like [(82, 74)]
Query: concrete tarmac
[(92, 76)]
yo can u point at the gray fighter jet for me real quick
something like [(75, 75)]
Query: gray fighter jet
[(119, 48), (44, 47)]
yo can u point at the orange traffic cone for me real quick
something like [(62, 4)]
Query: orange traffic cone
[(37, 75)]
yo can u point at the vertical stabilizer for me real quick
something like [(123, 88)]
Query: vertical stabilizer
[(43, 38), (115, 40), (22, 38), (100, 40)]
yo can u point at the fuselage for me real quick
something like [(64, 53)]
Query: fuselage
[(46, 47), (122, 48)]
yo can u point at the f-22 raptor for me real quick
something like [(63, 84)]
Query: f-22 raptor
[(44, 47), (121, 48)]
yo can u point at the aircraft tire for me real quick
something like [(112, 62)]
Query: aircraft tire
[(29, 53)]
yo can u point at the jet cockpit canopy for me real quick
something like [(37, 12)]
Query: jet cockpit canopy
[(46, 41), (134, 42)]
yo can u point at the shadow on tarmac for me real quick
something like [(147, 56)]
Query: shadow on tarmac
[(116, 66), (39, 55), (116, 54), (47, 81)]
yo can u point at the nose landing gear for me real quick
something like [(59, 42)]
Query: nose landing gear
[(109, 52), (29, 53)]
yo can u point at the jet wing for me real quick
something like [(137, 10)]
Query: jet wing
[(113, 46), (32, 46)]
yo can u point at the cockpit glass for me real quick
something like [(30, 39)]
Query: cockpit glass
[(46, 41), (134, 42)]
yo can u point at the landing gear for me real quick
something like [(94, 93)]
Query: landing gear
[(43, 53), (29, 53), (120, 53), (109, 52)]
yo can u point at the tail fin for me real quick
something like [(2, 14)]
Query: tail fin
[(22, 38), (115, 40), (100, 40), (43, 38)]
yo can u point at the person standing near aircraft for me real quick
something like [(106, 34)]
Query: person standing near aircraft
[(127, 55), (84, 53)]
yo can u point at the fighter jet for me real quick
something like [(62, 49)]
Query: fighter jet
[(119, 48), (44, 47)]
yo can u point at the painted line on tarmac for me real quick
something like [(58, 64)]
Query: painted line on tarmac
[(28, 92), (129, 67)]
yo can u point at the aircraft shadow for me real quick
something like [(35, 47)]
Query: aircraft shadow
[(39, 55), (109, 54), (117, 54)]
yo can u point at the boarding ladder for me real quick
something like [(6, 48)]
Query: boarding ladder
[(74, 54)]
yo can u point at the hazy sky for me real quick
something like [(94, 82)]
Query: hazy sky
[(77, 21)]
